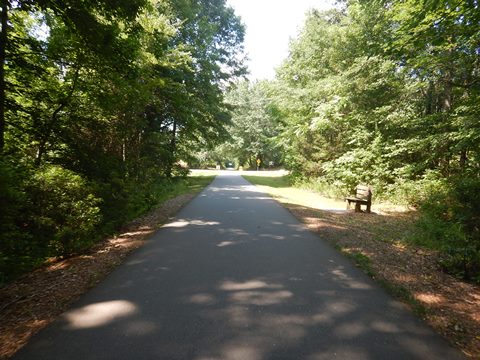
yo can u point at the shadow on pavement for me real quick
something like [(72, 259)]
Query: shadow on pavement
[(236, 276)]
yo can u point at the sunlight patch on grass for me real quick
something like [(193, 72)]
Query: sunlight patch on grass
[(281, 189), (198, 182), (190, 185)]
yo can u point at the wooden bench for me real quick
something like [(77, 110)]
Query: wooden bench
[(363, 196)]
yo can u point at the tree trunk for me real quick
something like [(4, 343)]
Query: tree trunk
[(429, 99), (173, 147), (3, 53), (447, 95)]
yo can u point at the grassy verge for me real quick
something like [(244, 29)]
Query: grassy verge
[(168, 189), (379, 244), (270, 181), (282, 189), (192, 184)]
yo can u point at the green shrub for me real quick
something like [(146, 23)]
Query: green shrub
[(180, 169), (449, 221), (359, 166), (18, 252), (416, 192), (321, 186), (66, 212)]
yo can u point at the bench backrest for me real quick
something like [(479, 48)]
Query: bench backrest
[(363, 192)]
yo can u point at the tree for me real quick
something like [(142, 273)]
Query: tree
[(104, 96), (254, 125)]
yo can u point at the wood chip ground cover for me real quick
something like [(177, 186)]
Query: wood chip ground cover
[(450, 306)]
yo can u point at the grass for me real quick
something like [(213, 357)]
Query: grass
[(192, 184), (198, 182), (176, 187), (271, 181)]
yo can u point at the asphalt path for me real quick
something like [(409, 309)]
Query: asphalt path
[(236, 276)]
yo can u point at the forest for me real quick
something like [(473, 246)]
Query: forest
[(103, 103), (99, 100)]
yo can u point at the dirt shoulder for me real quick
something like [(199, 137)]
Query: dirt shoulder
[(33, 301), (376, 243)]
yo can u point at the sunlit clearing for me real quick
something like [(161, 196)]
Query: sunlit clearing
[(99, 314)]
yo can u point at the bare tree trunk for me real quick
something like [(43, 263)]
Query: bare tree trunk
[(447, 95), (173, 147), (3, 53)]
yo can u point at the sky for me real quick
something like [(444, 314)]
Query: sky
[(270, 24)]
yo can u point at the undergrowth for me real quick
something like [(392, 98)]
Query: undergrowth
[(54, 212)]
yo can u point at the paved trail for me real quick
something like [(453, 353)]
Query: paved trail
[(236, 276)]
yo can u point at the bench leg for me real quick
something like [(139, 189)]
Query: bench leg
[(369, 205), (348, 205), (357, 207)]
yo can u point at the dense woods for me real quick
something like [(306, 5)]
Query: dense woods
[(99, 100), (385, 93)]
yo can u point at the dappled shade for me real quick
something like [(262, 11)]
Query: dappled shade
[(275, 292)]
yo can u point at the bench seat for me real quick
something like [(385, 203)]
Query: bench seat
[(363, 196)]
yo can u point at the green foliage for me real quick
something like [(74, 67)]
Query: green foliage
[(450, 215), (100, 101), (66, 210), (321, 186), (415, 192), (45, 212), (364, 100), (254, 126), (17, 250)]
